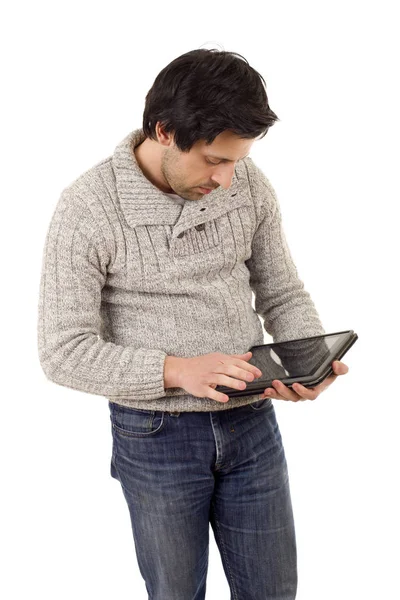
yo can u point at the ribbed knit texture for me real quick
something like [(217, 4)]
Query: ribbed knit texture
[(130, 276)]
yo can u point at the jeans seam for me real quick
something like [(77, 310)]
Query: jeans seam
[(225, 557)]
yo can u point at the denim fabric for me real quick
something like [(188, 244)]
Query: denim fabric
[(180, 472)]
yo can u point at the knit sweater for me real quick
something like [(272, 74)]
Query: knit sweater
[(130, 275)]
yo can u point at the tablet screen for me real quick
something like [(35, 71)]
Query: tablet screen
[(295, 358)]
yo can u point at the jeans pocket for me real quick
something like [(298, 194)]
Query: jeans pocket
[(261, 404), (135, 422)]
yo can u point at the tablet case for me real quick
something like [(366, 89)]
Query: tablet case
[(324, 369)]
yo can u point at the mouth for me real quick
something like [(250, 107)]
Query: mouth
[(206, 190)]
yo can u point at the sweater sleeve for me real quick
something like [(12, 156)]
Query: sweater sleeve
[(285, 306), (71, 350)]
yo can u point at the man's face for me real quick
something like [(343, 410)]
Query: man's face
[(203, 166)]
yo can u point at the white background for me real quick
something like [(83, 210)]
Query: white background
[(74, 80)]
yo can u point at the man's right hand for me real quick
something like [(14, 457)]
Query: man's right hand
[(200, 375)]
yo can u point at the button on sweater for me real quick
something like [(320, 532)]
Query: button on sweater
[(130, 276)]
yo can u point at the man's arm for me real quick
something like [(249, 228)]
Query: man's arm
[(71, 351), (280, 298)]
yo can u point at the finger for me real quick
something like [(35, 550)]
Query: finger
[(271, 393), (339, 367), (325, 383), (285, 392), (244, 356), (306, 393)]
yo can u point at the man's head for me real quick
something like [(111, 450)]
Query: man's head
[(202, 114)]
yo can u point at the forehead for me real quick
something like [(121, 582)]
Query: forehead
[(226, 147)]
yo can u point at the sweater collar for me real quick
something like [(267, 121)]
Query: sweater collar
[(144, 204)]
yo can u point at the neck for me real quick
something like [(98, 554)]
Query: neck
[(148, 157)]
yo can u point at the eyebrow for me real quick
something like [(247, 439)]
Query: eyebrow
[(224, 159)]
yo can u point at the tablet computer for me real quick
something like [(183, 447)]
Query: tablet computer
[(306, 360)]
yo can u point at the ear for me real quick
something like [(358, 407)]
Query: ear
[(164, 138)]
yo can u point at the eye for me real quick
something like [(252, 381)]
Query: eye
[(211, 163)]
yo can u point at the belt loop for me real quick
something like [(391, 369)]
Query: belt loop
[(175, 413)]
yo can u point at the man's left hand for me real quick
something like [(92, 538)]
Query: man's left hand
[(298, 392)]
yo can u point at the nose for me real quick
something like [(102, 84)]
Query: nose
[(224, 176)]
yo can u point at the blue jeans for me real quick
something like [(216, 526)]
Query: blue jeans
[(181, 471)]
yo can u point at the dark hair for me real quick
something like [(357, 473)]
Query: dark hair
[(204, 92)]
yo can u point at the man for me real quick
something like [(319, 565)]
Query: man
[(145, 298)]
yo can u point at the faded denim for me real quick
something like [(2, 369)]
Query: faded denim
[(180, 472)]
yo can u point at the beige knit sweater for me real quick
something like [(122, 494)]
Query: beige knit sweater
[(130, 276)]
